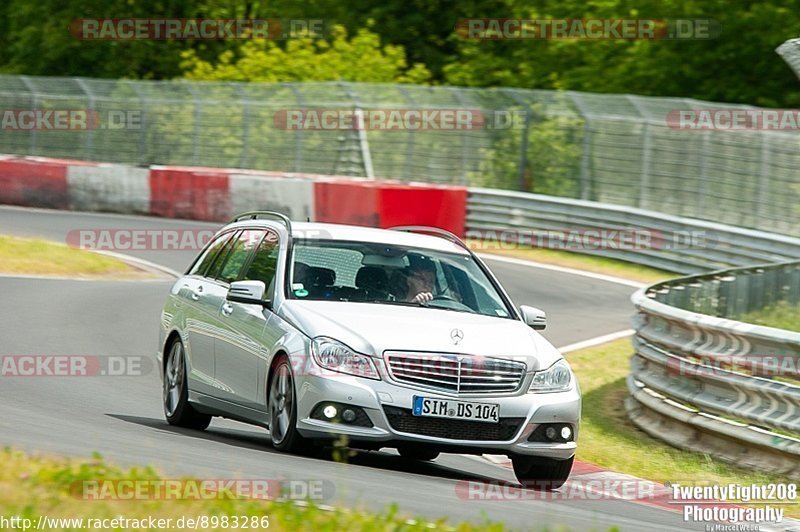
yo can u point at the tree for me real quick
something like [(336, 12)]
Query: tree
[(358, 59)]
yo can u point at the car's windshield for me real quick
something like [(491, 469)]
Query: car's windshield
[(333, 270)]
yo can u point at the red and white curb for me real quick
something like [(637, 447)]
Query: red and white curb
[(592, 482)]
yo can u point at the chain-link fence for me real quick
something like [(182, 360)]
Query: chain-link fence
[(621, 149)]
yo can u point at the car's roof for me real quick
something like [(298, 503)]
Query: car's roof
[(355, 233)]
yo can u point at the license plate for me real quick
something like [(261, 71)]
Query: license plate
[(448, 408)]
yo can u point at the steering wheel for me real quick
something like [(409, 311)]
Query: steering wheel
[(457, 304)]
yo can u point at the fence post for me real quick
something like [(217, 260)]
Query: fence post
[(298, 134), (523, 146), (585, 180), (142, 123), (700, 205), (197, 117), (363, 142), (410, 136), (763, 183), (464, 136), (243, 159), (89, 145), (644, 177), (32, 89)]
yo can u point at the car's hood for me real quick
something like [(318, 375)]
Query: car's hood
[(372, 328)]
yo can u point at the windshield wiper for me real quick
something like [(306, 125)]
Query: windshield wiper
[(424, 304), (390, 302)]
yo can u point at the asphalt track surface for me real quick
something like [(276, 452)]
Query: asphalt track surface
[(122, 419)]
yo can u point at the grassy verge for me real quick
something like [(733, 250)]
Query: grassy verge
[(28, 256), (31, 487), (609, 439), (580, 261), (781, 315)]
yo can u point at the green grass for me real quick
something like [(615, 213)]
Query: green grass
[(580, 261), (31, 486), (781, 315), (30, 256), (610, 440)]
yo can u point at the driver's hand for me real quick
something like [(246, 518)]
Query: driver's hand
[(422, 297)]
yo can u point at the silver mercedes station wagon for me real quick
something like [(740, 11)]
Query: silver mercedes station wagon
[(396, 338)]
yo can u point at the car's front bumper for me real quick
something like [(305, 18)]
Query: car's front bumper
[(372, 396)]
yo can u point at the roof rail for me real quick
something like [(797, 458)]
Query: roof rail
[(432, 230), (254, 215)]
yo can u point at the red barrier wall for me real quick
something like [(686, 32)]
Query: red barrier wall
[(346, 202), (205, 194), (437, 206), (387, 204), (187, 192), (34, 183)]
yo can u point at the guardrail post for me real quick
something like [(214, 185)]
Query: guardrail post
[(794, 285), (755, 293)]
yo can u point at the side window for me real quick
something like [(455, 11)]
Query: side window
[(265, 263), (243, 245), (201, 265), (219, 261)]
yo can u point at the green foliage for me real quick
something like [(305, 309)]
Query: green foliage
[(553, 153), (738, 66), (33, 486), (414, 41), (781, 315), (360, 58)]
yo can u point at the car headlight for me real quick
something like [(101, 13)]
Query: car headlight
[(336, 356), (556, 378)]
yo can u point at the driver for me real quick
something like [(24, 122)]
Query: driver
[(421, 278)]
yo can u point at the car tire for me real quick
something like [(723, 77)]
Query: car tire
[(541, 473), (417, 453), (175, 397), (282, 404)]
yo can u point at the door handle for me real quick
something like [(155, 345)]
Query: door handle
[(195, 295), (227, 309)]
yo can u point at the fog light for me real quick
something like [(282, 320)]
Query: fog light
[(329, 412), (348, 415), (550, 432), (566, 432)]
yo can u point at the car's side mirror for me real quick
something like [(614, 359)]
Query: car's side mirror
[(251, 292), (534, 317)]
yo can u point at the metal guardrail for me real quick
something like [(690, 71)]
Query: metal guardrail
[(699, 379), (676, 244), (702, 381)]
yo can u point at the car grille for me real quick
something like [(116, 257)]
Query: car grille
[(456, 373), (402, 420)]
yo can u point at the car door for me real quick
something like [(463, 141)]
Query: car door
[(237, 348), (196, 294)]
